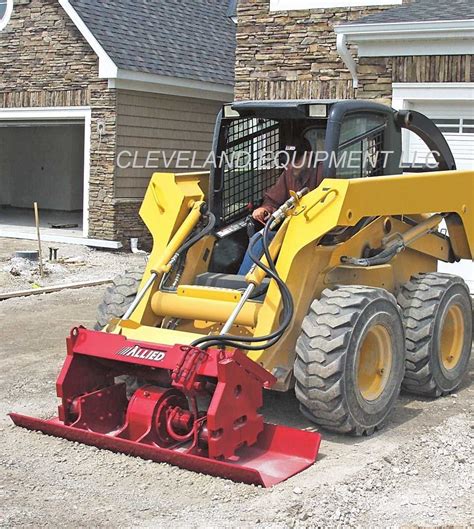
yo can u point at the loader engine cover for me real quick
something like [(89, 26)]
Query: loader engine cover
[(164, 419)]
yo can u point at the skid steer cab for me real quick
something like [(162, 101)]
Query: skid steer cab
[(341, 302)]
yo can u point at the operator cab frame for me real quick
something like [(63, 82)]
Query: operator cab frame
[(348, 126), (349, 139)]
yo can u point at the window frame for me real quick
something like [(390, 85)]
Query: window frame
[(295, 5), (6, 17), (343, 110)]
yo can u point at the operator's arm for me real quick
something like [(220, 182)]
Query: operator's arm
[(277, 194)]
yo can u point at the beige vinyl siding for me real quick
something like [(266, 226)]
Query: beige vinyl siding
[(164, 123)]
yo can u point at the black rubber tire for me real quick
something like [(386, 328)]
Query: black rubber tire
[(425, 300), (327, 352), (118, 297)]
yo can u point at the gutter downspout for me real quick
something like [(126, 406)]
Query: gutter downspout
[(346, 56)]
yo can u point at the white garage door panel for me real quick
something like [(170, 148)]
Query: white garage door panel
[(462, 147), (456, 121)]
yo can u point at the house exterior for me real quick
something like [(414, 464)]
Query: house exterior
[(416, 54), (89, 87), (421, 56), (413, 54)]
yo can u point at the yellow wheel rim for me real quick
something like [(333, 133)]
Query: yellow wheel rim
[(452, 337), (374, 362)]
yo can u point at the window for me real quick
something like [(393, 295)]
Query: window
[(455, 125), (6, 8), (290, 5), (360, 146)]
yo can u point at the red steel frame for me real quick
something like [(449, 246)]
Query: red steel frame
[(163, 420)]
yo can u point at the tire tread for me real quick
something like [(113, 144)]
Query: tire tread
[(320, 355), (118, 297), (419, 300)]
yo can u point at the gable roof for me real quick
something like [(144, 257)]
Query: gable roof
[(188, 39), (422, 11)]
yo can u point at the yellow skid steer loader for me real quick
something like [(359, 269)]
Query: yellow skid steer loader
[(343, 301)]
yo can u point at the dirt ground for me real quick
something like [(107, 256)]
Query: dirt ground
[(418, 471), (75, 264)]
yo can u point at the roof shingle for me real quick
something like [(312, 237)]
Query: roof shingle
[(190, 39), (423, 11)]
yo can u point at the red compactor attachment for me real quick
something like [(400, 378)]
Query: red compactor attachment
[(164, 420)]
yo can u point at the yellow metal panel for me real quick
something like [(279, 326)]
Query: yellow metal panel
[(166, 205), (376, 276), (458, 238), (207, 309), (202, 292), (159, 336)]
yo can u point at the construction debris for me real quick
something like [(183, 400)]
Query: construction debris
[(37, 222), (27, 254), (74, 264)]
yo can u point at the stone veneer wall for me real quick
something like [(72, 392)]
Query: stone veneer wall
[(129, 224), (45, 62), (291, 54)]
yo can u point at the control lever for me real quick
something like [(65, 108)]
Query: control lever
[(279, 215), (250, 224)]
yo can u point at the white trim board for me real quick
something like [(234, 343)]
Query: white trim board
[(294, 5), (43, 112), (373, 31), (409, 48), (403, 93), (160, 84), (450, 37), (58, 113), (107, 67)]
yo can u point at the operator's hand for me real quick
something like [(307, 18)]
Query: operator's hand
[(261, 215)]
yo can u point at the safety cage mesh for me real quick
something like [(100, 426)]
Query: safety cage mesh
[(249, 165)]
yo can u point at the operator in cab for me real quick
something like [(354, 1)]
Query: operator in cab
[(299, 173)]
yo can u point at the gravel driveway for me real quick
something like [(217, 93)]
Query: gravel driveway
[(418, 471)]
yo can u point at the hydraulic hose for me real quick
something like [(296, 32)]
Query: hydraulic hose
[(193, 239), (243, 342), (381, 258), (198, 236)]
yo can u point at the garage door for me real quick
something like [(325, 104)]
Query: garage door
[(43, 162), (455, 119)]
